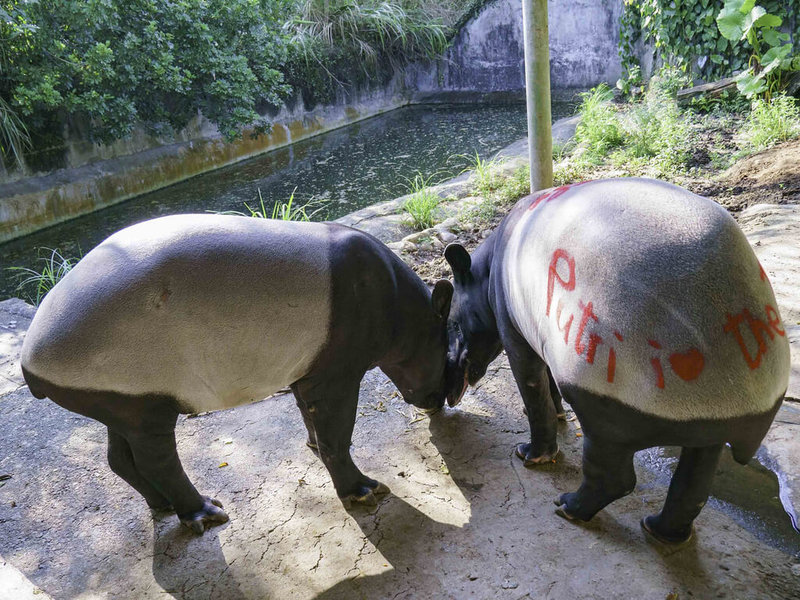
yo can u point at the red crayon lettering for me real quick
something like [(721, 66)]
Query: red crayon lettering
[(567, 325), (763, 272), (687, 365), (594, 342), (774, 320), (618, 335), (654, 344), (757, 327), (659, 372), (552, 274), (612, 365), (587, 314)]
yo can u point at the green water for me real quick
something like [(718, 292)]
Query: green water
[(341, 171)]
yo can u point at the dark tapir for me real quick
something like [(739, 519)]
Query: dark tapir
[(644, 305), (201, 312)]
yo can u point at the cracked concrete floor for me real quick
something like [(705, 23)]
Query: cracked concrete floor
[(465, 518)]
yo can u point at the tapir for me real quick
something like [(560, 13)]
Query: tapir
[(644, 307), (192, 313)]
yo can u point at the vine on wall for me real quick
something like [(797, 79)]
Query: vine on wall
[(685, 35)]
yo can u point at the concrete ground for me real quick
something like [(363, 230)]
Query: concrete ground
[(465, 518)]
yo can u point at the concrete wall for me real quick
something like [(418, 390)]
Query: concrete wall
[(484, 63), (487, 57)]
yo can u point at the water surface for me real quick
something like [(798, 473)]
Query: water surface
[(341, 171)]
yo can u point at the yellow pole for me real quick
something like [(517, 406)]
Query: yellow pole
[(537, 92)]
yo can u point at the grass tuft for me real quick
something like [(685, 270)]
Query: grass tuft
[(34, 285), (422, 203), (770, 123)]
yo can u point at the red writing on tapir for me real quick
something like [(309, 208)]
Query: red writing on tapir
[(758, 330), (688, 364)]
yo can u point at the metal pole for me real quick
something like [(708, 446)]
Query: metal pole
[(537, 92)]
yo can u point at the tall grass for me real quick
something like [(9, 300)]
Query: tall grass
[(14, 138), (421, 205), (599, 129), (34, 285), (772, 122), (368, 29)]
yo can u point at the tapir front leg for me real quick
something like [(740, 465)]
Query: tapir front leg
[(331, 408), (533, 382)]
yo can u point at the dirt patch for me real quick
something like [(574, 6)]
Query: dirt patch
[(769, 177)]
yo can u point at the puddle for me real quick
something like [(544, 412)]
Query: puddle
[(749, 494)]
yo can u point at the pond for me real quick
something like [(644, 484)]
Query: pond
[(339, 172)]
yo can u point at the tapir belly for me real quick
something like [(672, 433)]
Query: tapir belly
[(641, 292), (213, 312)]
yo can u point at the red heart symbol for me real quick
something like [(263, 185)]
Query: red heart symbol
[(688, 365)]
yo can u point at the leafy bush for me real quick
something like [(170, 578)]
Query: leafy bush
[(421, 205), (772, 122), (599, 128), (685, 35), (109, 65), (745, 20)]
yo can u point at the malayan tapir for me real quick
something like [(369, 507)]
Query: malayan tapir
[(644, 306), (193, 313)]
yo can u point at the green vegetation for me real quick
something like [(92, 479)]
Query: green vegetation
[(421, 205), (686, 36), (599, 129), (771, 122), (34, 285), (771, 49), (101, 68)]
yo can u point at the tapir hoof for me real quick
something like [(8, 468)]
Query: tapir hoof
[(211, 514), (650, 528), (562, 511), (366, 496), (523, 452)]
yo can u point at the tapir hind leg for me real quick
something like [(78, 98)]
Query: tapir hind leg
[(688, 493), (120, 459), (607, 475), (331, 407), (155, 456)]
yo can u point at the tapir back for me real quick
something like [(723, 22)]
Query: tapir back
[(212, 310), (640, 291)]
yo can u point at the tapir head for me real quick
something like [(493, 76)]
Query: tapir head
[(473, 341), (420, 376)]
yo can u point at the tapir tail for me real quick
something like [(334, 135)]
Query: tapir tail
[(744, 447)]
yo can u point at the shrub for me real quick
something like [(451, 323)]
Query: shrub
[(772, 122)]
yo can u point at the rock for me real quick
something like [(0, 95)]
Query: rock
[(418, 236), (401, 246), (447, 237), (450, 224)]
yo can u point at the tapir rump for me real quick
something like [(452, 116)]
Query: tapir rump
[(644, 307), (193, 313)]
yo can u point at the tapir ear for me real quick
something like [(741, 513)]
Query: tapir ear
[(441, 298), (459, 260)]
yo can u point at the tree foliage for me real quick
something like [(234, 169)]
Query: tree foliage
[(111, 64)]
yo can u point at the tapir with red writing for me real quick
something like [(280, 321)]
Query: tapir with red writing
[(193, 313), (644, 307)]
